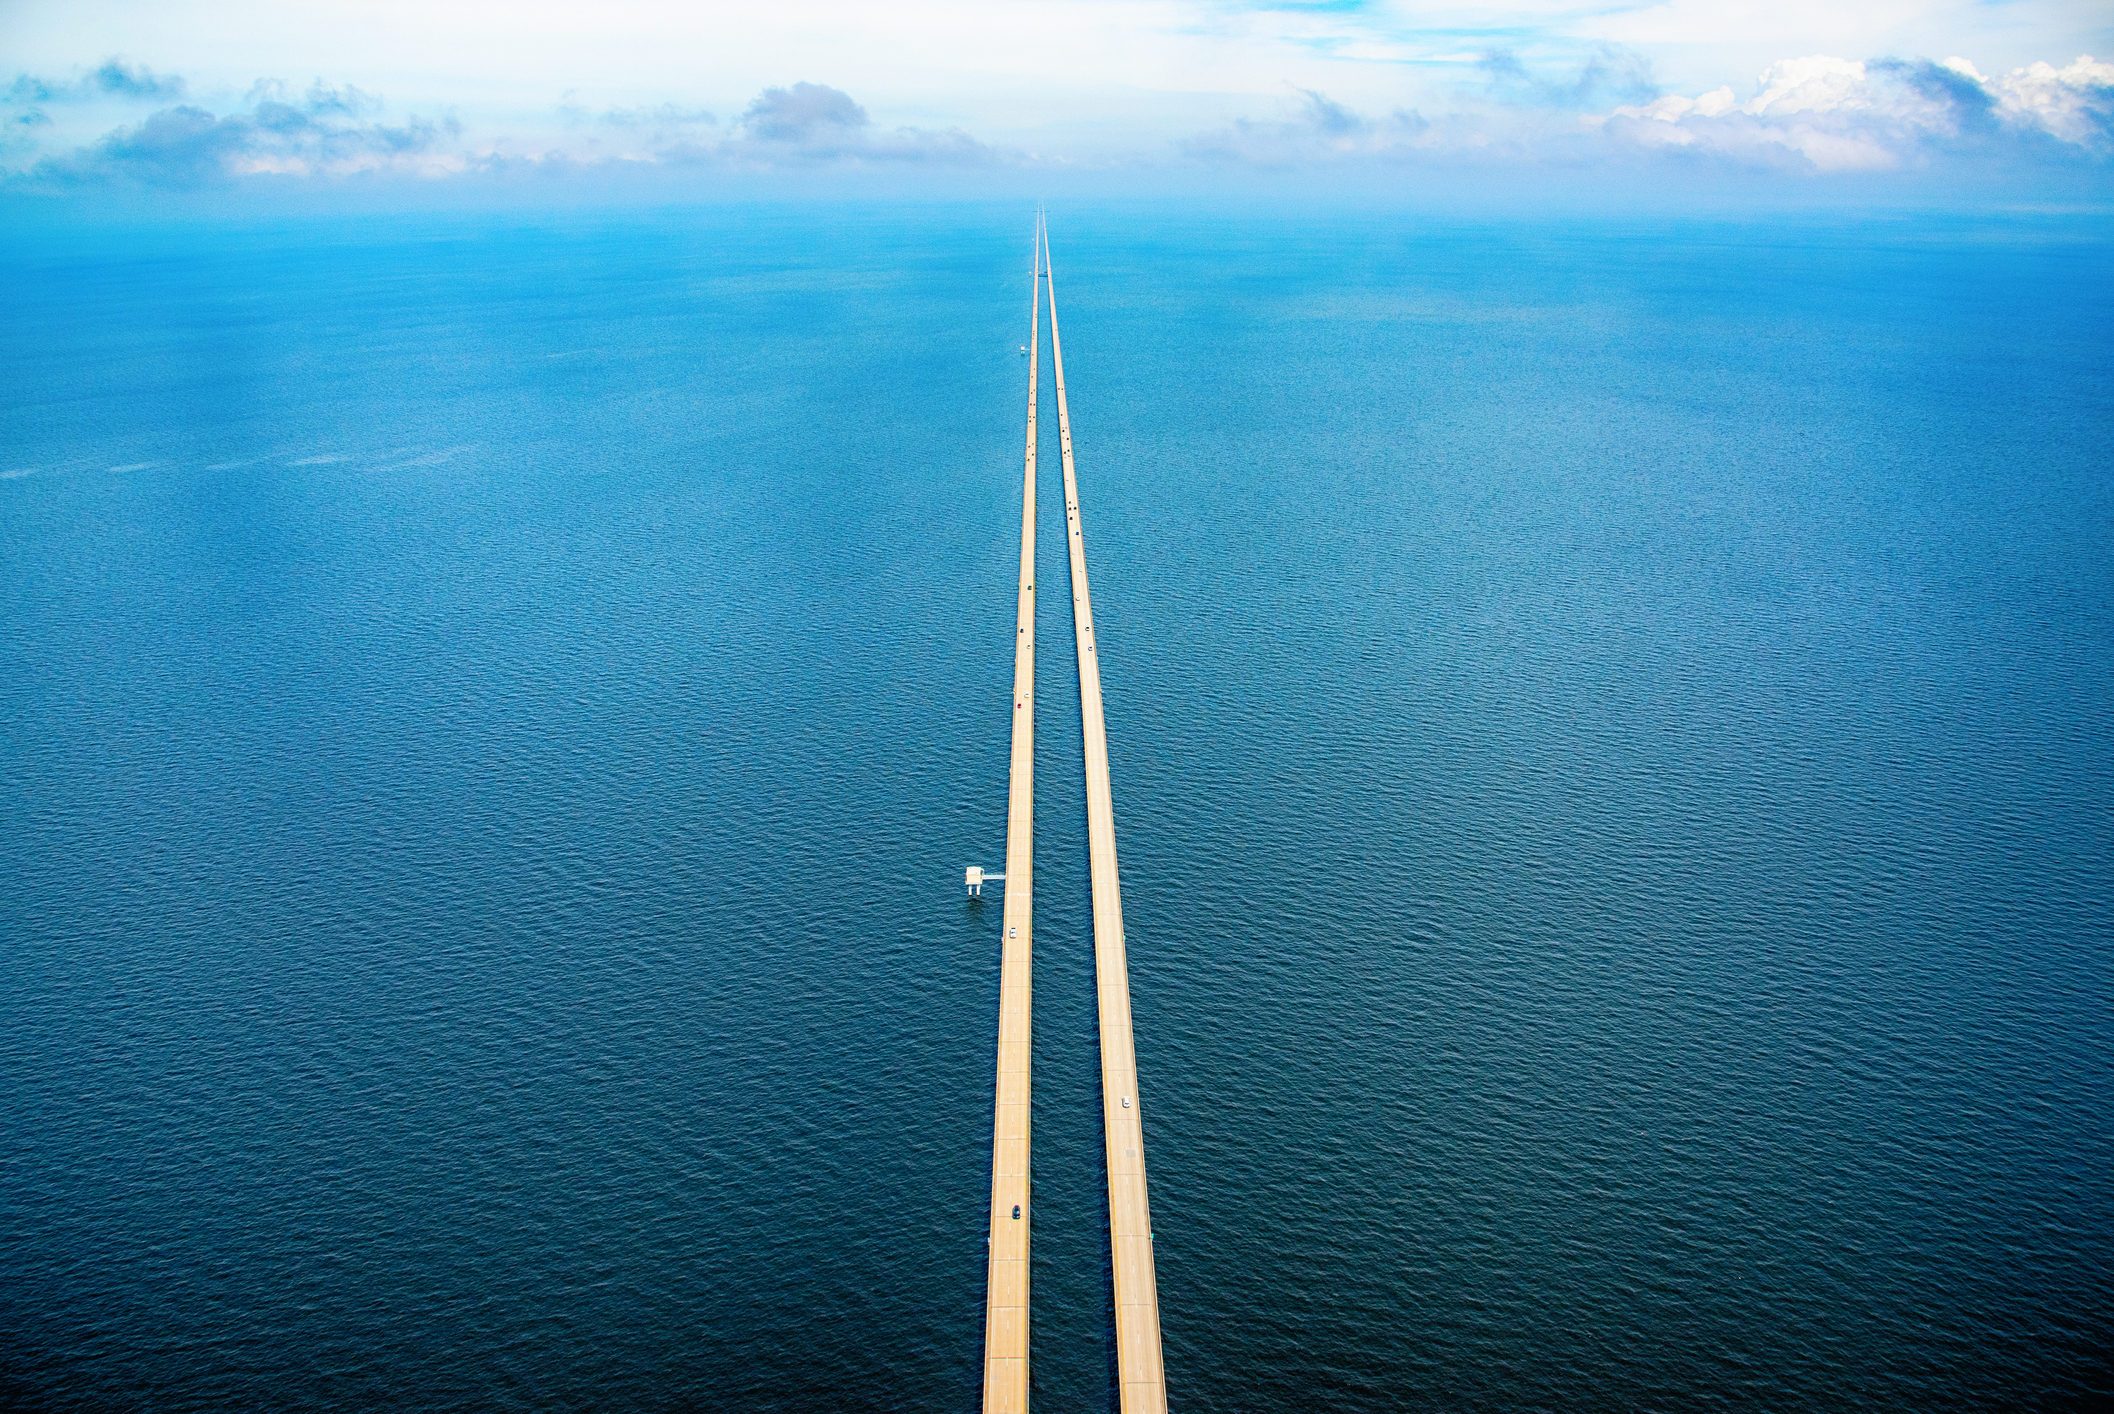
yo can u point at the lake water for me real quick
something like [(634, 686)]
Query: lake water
[(1613, 741)]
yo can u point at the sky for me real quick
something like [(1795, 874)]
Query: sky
[(239, 102)]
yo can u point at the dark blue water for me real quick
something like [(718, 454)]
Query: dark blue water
[(1613, 733)]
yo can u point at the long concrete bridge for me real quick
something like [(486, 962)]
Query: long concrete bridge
[(1140, 1374), (1006, 1275)]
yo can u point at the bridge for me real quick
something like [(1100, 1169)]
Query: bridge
[(1140, 1373), (1006, 1274)]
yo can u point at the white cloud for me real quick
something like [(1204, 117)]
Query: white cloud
[(1073, 85), (2074, 103), (1832, 114), (1314, 128), (1087, 78), (1818, 83), (325, 132), (333, 132)]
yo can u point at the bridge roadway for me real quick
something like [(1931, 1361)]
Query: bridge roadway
[(1006, 1276), (1140, 1375)]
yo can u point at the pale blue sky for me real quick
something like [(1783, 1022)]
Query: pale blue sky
[(238, 93)]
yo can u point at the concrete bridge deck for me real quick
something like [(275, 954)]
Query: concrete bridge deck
[(1006, 1276), (1141, 1376)]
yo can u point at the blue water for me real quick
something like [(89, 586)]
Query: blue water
[(1613, 735)]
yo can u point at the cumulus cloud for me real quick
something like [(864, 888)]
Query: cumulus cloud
[(326, 131), (1831, 114), (2074, 104), (1315, 127), (320, 101), (795, 125), (1816, 113), (123, 80), (323, 131), (24, 119), (815, 122), (804, 113), (113, 78)]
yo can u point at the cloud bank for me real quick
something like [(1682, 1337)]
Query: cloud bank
[(1827, 114), (1819, 117), (336, 131), (323, 132)]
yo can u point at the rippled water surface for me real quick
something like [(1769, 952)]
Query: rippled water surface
[(1613, 735)]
